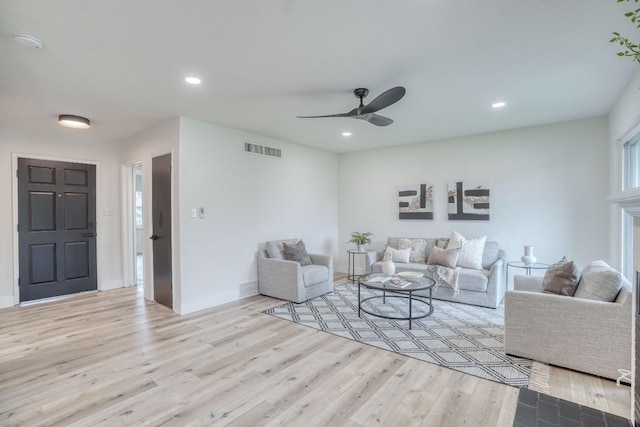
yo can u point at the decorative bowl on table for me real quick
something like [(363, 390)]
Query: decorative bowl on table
[(410, 274)]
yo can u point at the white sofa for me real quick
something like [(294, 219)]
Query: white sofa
[(477, 287), (580, 334)]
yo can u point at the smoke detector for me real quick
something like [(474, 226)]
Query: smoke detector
[(27, 41)]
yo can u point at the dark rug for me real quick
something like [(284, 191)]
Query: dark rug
[(462, 337)]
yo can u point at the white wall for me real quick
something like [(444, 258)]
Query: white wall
[(248, 200), (143, 147), (623, 117), (68, 144), (548, 189)]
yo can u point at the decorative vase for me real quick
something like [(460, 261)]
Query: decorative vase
[(528, 257), (360, 248), (388, 268)]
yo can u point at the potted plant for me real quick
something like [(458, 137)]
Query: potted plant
[(360, 239)]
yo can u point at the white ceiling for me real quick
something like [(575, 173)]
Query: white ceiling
[(263, 62)]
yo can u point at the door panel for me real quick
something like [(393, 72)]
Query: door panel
[(56, 228), (161, 212)]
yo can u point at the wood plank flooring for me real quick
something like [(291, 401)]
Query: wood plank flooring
[(114, 359)]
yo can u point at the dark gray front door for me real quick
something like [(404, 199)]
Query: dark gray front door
[(56, 228), (161, 212)]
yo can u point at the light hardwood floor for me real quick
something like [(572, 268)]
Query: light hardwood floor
[(114, 359)]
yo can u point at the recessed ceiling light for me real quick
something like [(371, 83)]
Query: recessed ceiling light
[(72, 121), (193, 80), (346, 133), (498, 104), (27, 41)]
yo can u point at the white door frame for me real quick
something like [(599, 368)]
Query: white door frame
[(128, 224), (14, 199)]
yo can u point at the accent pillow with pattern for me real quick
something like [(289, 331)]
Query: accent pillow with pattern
[(417, 246)]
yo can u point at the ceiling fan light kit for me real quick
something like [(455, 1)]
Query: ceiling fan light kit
[(367, 112)]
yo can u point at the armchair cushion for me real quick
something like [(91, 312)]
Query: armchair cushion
[(599, 282), (313, 274), (561, 278), (275, 248), (297, 253)]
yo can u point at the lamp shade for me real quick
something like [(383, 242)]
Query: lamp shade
[(72, 121)]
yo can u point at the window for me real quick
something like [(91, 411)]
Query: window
[(632, 162)]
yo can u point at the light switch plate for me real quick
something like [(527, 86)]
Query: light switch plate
[(194, 213)]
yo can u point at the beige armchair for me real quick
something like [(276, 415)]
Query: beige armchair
[(290, 281), (580, 334)]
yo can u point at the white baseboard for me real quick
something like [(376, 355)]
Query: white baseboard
[(208, 302), (106, 285), (6, 301)]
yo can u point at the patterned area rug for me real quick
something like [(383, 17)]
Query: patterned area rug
[(462, 337)]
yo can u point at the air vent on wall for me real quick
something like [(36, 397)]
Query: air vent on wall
[(261, 149)]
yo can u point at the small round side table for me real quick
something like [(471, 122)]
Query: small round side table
[(526, 267), (351, 267)]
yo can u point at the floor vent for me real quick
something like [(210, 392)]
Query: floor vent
[(261, 149), (248, 289)]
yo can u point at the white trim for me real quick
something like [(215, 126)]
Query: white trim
[(128, 225), (632, 131), (209, 302), (14, 199)]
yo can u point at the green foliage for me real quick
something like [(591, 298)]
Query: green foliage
[(360, 238), (630, 48)]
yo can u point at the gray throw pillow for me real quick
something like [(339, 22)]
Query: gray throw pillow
[(297, 253), (599, 282), (561, 278), (444, 257)]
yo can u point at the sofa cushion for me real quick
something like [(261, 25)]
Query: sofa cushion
[(561, 278), (599, 282), (313, 274), (445, 257), (473, 280), (417, 246), (275, 248), (297, 253), (471, 250), (397, 255)]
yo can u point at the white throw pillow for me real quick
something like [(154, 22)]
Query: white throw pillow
[(471, 250), (397, 255)]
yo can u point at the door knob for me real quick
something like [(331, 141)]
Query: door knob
[(154, 237)]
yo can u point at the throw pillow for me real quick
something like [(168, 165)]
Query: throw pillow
[(397, 255), (599, 282), (297, 253), (442, 243), (561, 278), (471, 250), (417, 246), (444, 257)]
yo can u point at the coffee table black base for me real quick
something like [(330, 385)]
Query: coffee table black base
[(410, 297)]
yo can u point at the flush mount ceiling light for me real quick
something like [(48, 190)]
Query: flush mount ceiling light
[(498, 104), (76, 122), (346, 133), (27, 41), (193, 80)]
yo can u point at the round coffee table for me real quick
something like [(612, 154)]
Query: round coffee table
[(416, 284)]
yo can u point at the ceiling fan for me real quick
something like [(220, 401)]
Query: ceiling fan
[(367, 112)]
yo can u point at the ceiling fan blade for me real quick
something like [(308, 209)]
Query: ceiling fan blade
[(377, 120), (385, 99), (351, 113), (328, 115)]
